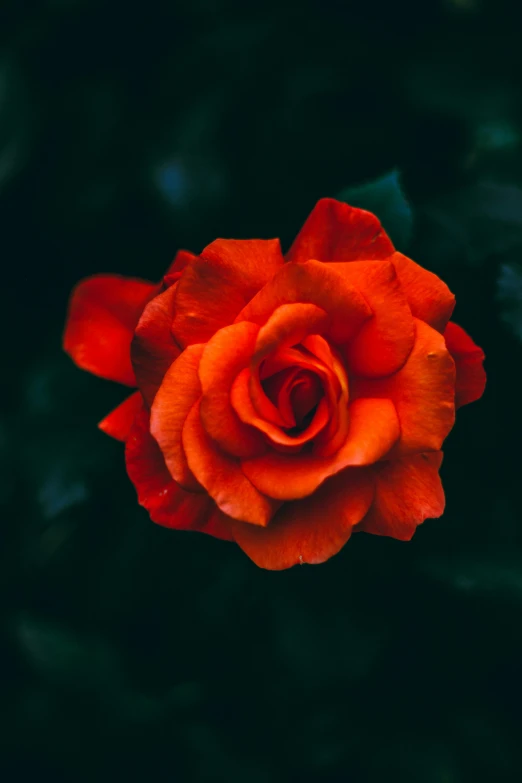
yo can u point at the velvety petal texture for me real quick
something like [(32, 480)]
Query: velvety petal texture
[(181, 260), (407, 491), (167, 503), (215, 287), (180, 390), (283, 402), (222, 477), (384, 342), (334, 231), (423, 393), (313, 283), (118, 423), (428, 296), (103, 313), (311, 530), (469, 363), (224, 356), (373, 430), (153, 348)]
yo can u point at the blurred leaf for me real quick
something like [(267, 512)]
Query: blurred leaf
[(15, 122), (213, 761), (496, 135), (501, 577), (509, 294), (449, 86), (6, 474), (470, 225), (385, 198), (65, 657), (427, 761), (464, 5), (60, 491), (87, 665), (486, 737), (325, 650)]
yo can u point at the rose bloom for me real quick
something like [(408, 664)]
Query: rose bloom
[(283, 401)]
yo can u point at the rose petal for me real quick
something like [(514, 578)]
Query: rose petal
[(222, 476), (180, 389), (103, 313), (242, 403), (333, 437), (295, 392), (182, 259), (224, 356), (373, 429), (468, 358), (320, 348), (215, 287), (331, 373), (303, 394), (423, 392), (384, 341), (407, 491), (334, 231), (283, 415), (317, 284), (311, 530), (277, 388), (285, 367), (166, 502), (286, 327), (428, 296), (153, 348), (118, 423)]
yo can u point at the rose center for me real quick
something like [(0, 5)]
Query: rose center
[(296, 393)]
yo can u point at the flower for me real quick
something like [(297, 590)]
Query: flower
[(283, 402)]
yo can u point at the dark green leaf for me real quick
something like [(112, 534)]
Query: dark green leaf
[(509, 294)]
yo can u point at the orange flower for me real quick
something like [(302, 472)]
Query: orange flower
[(283, 401)]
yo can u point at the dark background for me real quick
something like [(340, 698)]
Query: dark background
[(128, 130)]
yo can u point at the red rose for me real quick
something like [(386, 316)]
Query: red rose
[(283, 401)]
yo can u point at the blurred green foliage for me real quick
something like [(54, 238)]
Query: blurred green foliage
[(126, 132)]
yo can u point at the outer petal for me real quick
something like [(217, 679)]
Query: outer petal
[(166, 502), (423, 393), (373, 429), (182, 259), (153, 348), (311, 530), (312, 283), (385, 341), (429, 297), (177, 394), (119, 422), (103, 313), (222, 477), (407, 491), (225, 355), (334, 231), (214, 288), (468, 358)]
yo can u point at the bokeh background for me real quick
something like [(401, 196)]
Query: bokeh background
[(128, 130)]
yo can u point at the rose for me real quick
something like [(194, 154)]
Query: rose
[(283, 402)]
